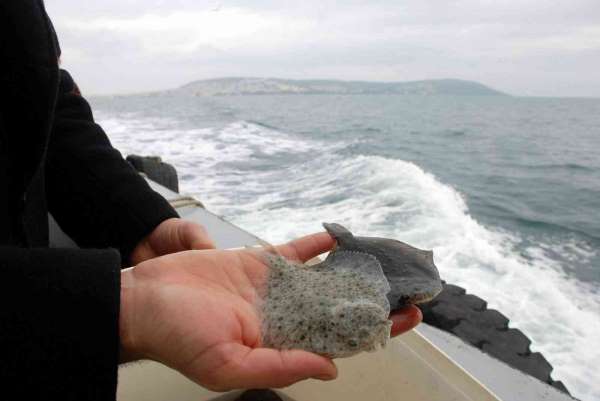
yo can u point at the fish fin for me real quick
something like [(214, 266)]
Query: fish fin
[(337, 231)]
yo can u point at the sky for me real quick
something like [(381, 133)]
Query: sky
[(523, 47)]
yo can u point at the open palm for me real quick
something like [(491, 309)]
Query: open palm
[(195, 311)]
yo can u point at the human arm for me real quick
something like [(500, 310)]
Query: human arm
[(59, 313), (94, 194), (98, 198)]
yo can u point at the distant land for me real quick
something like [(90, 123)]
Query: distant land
[(276, 86)]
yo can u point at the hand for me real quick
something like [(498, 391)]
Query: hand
[(194, 311), (171, 236)]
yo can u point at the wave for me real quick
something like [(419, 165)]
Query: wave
[(261, 124), (554, 227), (501, 209), (315, 181), (557, 166)]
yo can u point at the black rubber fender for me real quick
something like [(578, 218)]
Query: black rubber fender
[(157, 170), (467, 317), (259, 395)]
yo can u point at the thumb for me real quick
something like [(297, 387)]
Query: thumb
[(405, 319)]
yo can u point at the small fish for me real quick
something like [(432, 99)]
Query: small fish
[(411, 273), (340, 307), (336, 308)]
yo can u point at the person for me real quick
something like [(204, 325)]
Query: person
[(68, 317)]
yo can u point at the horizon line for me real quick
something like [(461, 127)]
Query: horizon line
[(175, 88)]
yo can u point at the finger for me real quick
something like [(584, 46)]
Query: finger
[(264, 367), (405, 319), (194, 236), (307, 247)]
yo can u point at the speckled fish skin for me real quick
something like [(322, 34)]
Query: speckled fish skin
[(336, 308), (411, 273)]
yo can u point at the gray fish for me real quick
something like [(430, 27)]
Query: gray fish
[(411, 273), (340, 307), (336, 308)]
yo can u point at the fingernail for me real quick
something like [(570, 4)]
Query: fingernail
[(325, 377)]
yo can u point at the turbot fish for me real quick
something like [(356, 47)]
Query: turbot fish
[(340, 307), (411, 273)]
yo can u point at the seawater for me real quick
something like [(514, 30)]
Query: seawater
[(505, 190)]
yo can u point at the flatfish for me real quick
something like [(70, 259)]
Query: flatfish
[(336, 308), (340, 306)]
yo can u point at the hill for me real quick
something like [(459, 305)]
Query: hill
[(268, 86)]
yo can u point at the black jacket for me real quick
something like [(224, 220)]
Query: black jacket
[(59, 308)]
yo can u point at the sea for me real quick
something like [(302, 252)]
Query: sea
[(505, 190)]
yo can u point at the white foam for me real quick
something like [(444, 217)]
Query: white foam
[(377, 196)]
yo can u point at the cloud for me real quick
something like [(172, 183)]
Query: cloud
[(513, 45), (185, 32)]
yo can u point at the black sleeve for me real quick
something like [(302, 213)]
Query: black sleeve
[(94, 194), (59, 314)]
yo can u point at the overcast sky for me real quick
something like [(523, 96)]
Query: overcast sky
[(524, 47)]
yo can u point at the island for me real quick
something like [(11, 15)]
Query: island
[(276, 86)]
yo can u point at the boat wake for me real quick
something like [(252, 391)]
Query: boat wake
[(281, 186)]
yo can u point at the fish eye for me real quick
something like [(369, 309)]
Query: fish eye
[(352, 343)]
